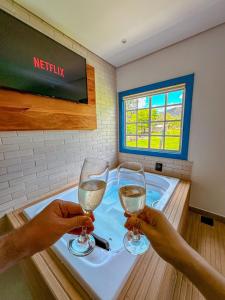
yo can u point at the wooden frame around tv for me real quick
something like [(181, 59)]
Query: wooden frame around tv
[(22, 111)]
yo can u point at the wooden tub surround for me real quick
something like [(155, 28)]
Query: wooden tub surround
[(149, 279)]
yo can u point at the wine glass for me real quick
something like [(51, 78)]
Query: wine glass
[(92, 185), (132, 193)]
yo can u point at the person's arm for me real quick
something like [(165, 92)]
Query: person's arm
[(174, 249), (45, 229)]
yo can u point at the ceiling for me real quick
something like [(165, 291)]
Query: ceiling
[(147, 25)]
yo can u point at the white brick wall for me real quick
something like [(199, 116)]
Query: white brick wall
[(171, 167), (33, 163)]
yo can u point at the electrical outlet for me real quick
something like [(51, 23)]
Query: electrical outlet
[(158, 166)]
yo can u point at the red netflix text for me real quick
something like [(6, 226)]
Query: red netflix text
[(47, 66)]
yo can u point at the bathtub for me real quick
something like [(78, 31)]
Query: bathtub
[(103, 273)]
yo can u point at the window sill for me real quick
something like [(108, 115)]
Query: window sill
[(147, 152)]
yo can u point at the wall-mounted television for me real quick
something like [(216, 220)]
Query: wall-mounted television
[(33, 63)]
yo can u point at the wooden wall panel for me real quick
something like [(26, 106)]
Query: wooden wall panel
[(21, 111)]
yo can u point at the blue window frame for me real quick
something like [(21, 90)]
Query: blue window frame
[(155, 119)]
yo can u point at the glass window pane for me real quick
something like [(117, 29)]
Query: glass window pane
[(142, 141), (131, 129), (158, 100), (131, 141), (175, 97), (131, 104), (156, 142), (172, 143), (173, 128), (157, 128), (143, 102), (143, 115), (142, 128), (157, 114), (174, 112), (131, 116)]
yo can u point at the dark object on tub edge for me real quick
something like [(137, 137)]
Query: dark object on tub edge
[(100, 242)]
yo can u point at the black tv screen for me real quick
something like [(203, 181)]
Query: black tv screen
[(34, 63)]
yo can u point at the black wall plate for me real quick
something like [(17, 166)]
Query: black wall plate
[(207, 220), (158, 166)]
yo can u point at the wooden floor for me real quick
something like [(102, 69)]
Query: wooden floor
[(210, 243)]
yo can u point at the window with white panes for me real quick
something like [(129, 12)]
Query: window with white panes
[(153, 120)]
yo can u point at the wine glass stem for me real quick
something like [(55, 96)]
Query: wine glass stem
[(136, 235), (83, 236)]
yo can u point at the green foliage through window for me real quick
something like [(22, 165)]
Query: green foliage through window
[(155, 121)]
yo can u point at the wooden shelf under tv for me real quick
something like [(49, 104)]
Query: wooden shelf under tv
[(23, 111)]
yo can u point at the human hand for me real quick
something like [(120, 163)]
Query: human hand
[(58, 218), (163, 237), (172, 247)]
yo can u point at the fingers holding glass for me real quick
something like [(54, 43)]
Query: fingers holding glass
[(92, 185), (132, 194)]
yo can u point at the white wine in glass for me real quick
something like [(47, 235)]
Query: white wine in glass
[(92, 185), (132, 193), (90, 194), (132, 198)]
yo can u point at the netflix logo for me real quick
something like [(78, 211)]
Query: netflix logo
[(47, 66)]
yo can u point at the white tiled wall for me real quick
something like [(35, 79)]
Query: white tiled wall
[(36, 162), (171, 167)]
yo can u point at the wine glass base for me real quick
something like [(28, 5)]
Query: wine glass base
[(81, 249), (136, 246)]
